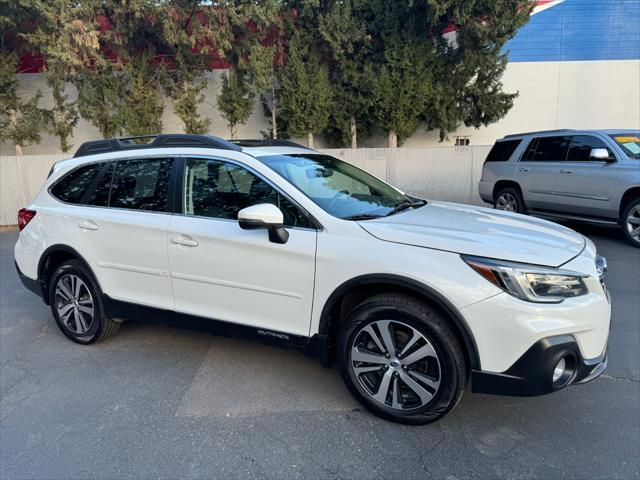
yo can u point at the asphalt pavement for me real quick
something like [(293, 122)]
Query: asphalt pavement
[(158, 402)]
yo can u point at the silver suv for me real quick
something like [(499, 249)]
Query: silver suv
[(589, 175)]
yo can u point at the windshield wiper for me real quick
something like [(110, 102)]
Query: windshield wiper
[(405, 205), (361, 216)]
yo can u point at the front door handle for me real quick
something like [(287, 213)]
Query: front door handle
[(564, 170), (185, 240), (524, 169), (88, 225)]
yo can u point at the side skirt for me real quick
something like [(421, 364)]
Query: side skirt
[(312, 346)]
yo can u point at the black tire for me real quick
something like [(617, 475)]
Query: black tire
[(627, 227), (100, 326), (510, 193), (404, 310)]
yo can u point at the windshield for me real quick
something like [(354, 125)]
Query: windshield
[(338, 187), (630, 143)]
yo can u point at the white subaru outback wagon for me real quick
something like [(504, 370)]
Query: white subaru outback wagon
[(270, 240)]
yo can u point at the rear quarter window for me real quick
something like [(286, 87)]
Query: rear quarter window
[(502, 151), (72, 186)]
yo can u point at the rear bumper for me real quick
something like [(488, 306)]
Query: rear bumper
[(33, 285), (485, 189), (532, 373)]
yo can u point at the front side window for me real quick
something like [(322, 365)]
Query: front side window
[(72, 187), (337, 187), (581, 146), (219, 189), (141, 184)]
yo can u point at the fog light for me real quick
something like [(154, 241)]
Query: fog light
[(559, 370), (564, 371)]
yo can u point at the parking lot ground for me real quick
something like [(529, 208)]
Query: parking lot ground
[(158, 402)]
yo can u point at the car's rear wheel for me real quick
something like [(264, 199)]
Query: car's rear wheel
[(509, 200), (631, 222), (401, 359), (76, 303)]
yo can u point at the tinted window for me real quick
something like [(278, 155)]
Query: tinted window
[(581, 145), (141, 184), (220, 190), (548, 149), (99, 197), (72, 187), (502, 151)]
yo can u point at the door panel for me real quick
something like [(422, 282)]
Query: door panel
[(239, 276), (584, 186), (537, 171), (223, 272), (127, 251)]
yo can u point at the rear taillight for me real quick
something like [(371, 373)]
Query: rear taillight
[(24, 217)]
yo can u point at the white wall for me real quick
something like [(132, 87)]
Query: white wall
[(577, 94)]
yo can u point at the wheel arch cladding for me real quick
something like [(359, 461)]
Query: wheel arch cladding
[(352, 292), (52, 258), (628, 196), (502, 184)]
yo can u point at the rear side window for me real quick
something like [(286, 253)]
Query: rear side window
[(140, 184), (72, 187), (547, 149), (99, 197), (581, 146), (502, 151)]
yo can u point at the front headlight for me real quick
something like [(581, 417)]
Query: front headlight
[(530, 282)]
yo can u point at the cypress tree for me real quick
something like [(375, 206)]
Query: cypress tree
[(21, 119), (305, 91), (236, 99)]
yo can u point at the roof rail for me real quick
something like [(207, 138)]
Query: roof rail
[(167, 140), (539, 132), (266, 142)]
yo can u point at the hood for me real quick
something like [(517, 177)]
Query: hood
[(479, 231)]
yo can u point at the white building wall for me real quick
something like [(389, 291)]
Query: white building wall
[(575, 94)]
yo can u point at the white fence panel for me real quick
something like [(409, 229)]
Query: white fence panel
[(437, 173)]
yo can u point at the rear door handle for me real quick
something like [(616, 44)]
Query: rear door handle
[(185, 240), (524, 169), (564, 170), (88, 225)]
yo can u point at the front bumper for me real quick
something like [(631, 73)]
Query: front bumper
[(532, 373)]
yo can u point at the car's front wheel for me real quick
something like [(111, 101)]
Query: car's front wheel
[(76, 303), (401, 359), (631, 222)]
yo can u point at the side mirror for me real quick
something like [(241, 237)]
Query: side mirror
[(267, 216), (601, 154)]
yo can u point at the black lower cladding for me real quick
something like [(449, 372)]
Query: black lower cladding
[(315, 346), (33, 285), (532, 373)]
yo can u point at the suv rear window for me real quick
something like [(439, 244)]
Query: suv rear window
[(72, 187), (502, 151)]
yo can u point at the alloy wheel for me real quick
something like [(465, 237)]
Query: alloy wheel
[(633, 223), (395, 365), (507, 202), (74, 304)]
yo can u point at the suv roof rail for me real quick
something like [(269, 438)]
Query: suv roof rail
[(266, 142), (166, 140), (538, 132)]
